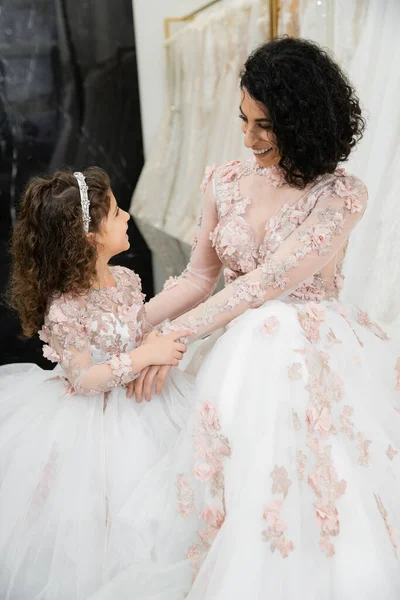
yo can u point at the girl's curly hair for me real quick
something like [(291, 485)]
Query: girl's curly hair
[(315, 113), (51, 253)]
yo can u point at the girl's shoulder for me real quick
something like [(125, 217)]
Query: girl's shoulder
[(125, 276)]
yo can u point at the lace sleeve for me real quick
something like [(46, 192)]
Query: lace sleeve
[(67, 345), (305, 252), (200, 277)]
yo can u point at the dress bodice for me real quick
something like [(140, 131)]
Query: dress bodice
[(271, 240), (98, 328), (250, 229)]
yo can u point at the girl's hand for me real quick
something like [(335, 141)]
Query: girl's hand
[(165, 349)]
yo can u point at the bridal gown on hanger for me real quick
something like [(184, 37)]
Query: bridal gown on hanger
[(288, 478), (203, 64)]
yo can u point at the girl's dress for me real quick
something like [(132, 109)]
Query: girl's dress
[(73, 447)]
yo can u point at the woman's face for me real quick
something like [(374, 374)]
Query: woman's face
[(257, 129)]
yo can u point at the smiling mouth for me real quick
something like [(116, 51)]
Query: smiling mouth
[(262, 151)]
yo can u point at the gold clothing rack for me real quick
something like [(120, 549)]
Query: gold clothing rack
[(273, 9)]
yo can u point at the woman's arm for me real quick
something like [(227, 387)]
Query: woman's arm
[(200, 277)]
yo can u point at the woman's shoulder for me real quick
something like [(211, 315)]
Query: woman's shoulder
[(227, 172), (349, 187)]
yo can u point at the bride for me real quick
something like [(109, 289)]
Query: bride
[(288, 480)]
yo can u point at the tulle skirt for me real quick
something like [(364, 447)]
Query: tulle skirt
[(68, 464), (287, 482)]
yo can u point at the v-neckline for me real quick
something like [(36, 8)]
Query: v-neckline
[(257, 249)]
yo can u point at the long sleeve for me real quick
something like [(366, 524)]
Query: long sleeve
[(68, 346), (200, 277), (303, 254)]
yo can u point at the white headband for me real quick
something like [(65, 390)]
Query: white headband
[(85, 203)]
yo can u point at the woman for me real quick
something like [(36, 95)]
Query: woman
[(289, 477)]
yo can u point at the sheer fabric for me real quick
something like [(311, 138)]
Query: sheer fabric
[(273, 241), (84, 334)]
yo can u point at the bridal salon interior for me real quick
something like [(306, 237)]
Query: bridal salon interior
[(149, 91)]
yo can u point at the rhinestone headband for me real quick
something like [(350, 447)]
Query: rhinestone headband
[(85, 203)]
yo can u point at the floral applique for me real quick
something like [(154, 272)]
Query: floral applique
[(105, 323), (393, 534), (211, 448), (363, 445), (347, 426), (294, 371), (391, 452), (301, 464), (310, 321), (365, 321), (276, 526), (296, 421), (332, 340), (325, 388), (271, 325), (186, 505), (208, 175)]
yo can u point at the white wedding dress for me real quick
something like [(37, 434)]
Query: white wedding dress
[(287, 482)]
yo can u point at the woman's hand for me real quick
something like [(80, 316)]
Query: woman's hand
[(145, 382)]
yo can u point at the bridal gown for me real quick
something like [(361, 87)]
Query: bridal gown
[(73, 447), (287, 481)]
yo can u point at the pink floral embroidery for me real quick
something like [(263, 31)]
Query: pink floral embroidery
[(57, 315), (121, 366), (319, 420), (332, 339), (171, 283), (271, 325), (294, 371), (327, 520), (391, 452), (281, 481), (208, 175), (212, 516), (214, 519), (43, 335), (347, 426), (273, 225), (50, 354), (363, 445), (325, 387), (211, 447), (296, 421), (393, 534), (364, 319), (301, 463), (310, 321), (186, 505), (276, 528)]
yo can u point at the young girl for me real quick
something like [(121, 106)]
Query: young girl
[(72, 446)]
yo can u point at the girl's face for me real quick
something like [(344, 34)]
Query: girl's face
[(113, 237), (257, 129)]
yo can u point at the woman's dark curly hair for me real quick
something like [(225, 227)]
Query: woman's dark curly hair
[(315, 113), (51, 252)]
